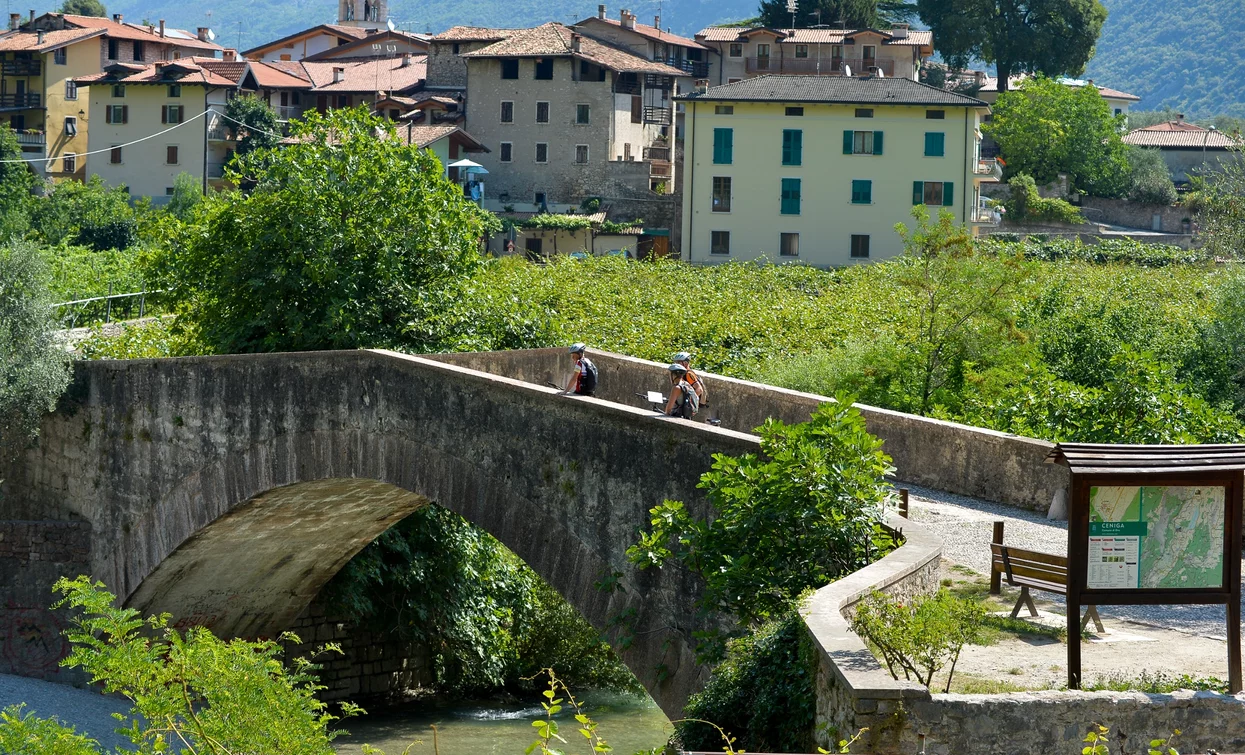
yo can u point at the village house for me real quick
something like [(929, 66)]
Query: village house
[(356, 20), (1188, 149), (738, 54), (1118, 101), (41, 61), (649, 42), (819, 169)]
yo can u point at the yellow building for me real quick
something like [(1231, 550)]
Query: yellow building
[(820, 169)]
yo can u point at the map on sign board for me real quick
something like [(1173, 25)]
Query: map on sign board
[(1155, 537)]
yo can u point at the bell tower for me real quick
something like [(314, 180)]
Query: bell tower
[(365, 14)]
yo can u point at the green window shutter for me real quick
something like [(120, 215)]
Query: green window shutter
[(791, 196), (792, 146), (934, 144), (877, 142), (847, 142), (862, 192), (786, 147), (723, 139), (948, 194), (918, 192)]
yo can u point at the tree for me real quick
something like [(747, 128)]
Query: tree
[(34, 369), (16, 182), (1223, 207), (91, 214), (1054, 37), (84, 8), (253, 122), (851, 14), (187, 194), (345, 233), (1150, 181), (1045, 128)]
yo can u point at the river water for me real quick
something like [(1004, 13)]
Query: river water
[(629, 724)]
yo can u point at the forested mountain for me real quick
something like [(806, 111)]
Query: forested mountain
[(1185, 55)]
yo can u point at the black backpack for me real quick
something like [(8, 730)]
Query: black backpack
[(587, 377), (689, 404)]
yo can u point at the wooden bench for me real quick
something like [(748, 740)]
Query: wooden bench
[(1031, 569)]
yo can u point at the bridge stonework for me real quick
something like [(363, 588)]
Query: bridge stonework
[(228, 490)]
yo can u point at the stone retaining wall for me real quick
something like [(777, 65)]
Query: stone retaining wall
[(941, 455)]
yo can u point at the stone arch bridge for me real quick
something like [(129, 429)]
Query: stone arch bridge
[(228, 490)]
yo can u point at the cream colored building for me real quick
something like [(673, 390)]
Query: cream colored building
[(738, 54), (165, 100), (818, 169)]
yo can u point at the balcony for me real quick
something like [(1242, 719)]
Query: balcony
[(819, 67), (28, 139), (697, 68), (658, 115), (660, 154), (24, 101), (215, 170), (21, 67), (985, 216), (288, 112), (988, 168)]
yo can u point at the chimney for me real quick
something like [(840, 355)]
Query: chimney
[(15, 20), (32, 15), (338, 75), (202, 34), (230, 55), (406, 60), (1179, 117), (657, 23), (116, 17), (628, 19), (162, 28), (40, 36), (575, 42), (600, 11), (702, 86), (899, 31)]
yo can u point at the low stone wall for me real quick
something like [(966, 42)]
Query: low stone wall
[(371, 664), (942, 455), (1137, 215)]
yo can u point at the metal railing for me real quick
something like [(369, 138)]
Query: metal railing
[(698, 68), (34, 140), (988, 167), (658, 115), (24, 100), (215, 170), (21, 68), (287, 112), (83, 312), (985, 216), (820, 67), (661, 154)]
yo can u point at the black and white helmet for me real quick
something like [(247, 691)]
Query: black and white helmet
[(576, 348)]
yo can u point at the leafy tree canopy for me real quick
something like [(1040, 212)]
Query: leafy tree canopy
[(344, 233), (84, 8), (850, 14), (1045, 128), (16, 181), (1053, 37), (253, 123)]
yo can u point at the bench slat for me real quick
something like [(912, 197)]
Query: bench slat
[(1042, 571)]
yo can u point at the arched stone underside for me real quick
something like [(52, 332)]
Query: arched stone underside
[(228, 490)]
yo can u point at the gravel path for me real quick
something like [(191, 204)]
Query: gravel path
[(89, 712), (967, 524)]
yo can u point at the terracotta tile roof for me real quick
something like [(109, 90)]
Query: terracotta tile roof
[(137, 32), (992, 85), (1179, 134), (29, 41), (361, 48), (915, 37), (342, 32), (291, 67), (233, 70), (269, 76), (157, 74), (649, 32), (422, 136), (554, 40), (472, 34), (834, 89), (379, 75)]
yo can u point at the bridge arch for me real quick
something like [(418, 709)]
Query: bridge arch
[(228, 490)]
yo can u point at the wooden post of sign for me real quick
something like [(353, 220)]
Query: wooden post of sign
[(1078, 557), (1232, 552), (903, 502), (996, 576)]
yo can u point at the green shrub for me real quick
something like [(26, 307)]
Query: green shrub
[(88, 214), (921, 637), (1026, 205), (1150, 181)]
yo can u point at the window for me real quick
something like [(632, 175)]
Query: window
[(533, 245), (939, 193), (114, 156), (723, 146), (544, 69), (733, 80), (69, 163), (171, 114), (763, 51), (862, 192), (795, 111), (71, 90), (58, 56), (1119, 111), (870, 53), (581, 154), (864, 112), (540, 199), (860, 247), (170, 154), (507, 112), (862, 142), (542, 152), (542, 112), (801, 51), (510, 69), (343, 100), (719, 242), (792, 146), (736, 51), (112, 49), (117, 114), (168, 191), (790, 196), (723, 109), (789, 245), (455, 48), (935, 143), (507, 151), (935, 115), (627, 152), (175, 90), (118, 90), (583, 114), (138, 50), (71, 125), (637, 109), (721, 194)]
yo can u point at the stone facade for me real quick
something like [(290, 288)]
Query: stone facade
[(1173, 219)]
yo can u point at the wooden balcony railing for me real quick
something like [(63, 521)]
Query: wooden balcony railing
[(661, 154), (24, 101), (697, 68), (822, 67), (21, 67), (658, 115)]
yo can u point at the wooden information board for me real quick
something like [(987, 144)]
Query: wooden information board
[(1154, 525)]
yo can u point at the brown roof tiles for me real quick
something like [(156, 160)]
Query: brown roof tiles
[(650, 32), (555, 40), (1180, 134), (29, 41)]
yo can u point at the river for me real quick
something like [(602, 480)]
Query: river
[(628, 724)]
